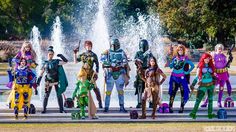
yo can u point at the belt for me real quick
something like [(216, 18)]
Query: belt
[(222, 70), (206, 84), (116, 69)]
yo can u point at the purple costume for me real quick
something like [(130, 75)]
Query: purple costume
[(222, 75)]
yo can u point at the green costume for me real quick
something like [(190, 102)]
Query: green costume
[(81, 93), (90, 58), (206, 85)]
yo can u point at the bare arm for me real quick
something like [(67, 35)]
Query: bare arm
[(75, 58)]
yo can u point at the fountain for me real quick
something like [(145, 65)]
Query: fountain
[(57, 37), (35, 39), (100, 38)]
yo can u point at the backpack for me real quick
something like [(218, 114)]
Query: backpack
[(32, 109), (222, 114), (133, 114), (229, 102), (164, 108), (69, 103)]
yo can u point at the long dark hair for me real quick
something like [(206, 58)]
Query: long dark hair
[(155, 60)]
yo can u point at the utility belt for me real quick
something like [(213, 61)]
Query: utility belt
[(48, 84), (23, 85), (116, 69), (221, 70), (207, 84)]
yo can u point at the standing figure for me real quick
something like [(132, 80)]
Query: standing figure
[(55, 76), (152, 86), (83, 95), (205, 79), (89, 58), (141, 62), (23, 80), (222, 74), (116, 69), (29, 55), (178, 78)]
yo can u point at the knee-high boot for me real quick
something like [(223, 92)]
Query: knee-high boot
[(143, 116), (155, 101), (98, 96)]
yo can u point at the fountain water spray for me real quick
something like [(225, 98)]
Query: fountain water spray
[(100, 38), (35, 39), (57, 37)]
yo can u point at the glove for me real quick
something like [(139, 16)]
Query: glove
[(62, 57), (39, 80)]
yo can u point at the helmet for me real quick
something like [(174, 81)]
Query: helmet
[(115, 44), (143, 45)]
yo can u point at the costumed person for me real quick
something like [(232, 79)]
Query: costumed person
[(89, 58), (55, 76), (141, 62), (179, 77), (222, 74), (206, 80), (29, 54), (23, 81), (152, 86), (83, 95), (116, 68)]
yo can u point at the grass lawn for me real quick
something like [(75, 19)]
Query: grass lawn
[(109, 127)]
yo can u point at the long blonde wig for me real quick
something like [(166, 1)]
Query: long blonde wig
[(23, 51)]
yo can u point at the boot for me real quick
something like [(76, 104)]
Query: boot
[(60, 103), (181, 110), (143, 116), (193, 115), (212, 115), (205, 103), (155, 102), (139, 105), (106, 109), (16, 112), (45, 103), (220, 98), (122, 108), (98, 96), (16, 116)]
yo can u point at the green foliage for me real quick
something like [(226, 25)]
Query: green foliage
[(19, 16), (199, 21), (192, 21)]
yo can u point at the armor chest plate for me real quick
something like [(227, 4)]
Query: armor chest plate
[(179, 64), (21, 76)]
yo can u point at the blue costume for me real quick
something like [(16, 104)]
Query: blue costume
[(178, 79), (23, 80), (114, 63)]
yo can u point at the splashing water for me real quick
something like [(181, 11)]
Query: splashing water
[(146, 27), (100, 38), (35, 39), (57, 37)]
